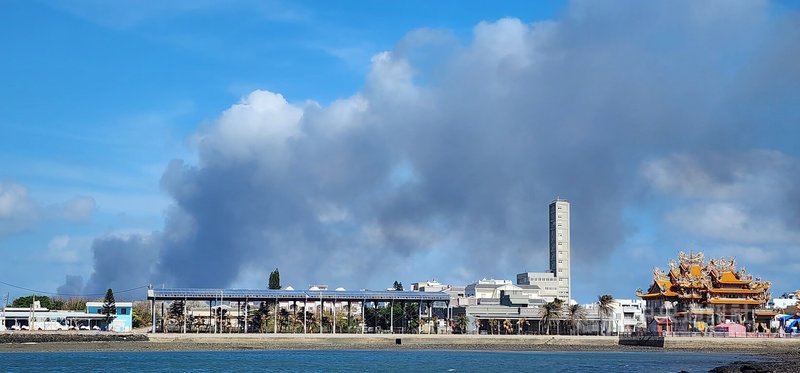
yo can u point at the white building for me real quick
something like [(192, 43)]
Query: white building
[(627, 315), (556, 282), (560, 246), (546, 282), (429, 286), (487, 289), (457, 293), (785, 300)]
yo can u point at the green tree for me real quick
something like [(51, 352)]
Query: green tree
[(141, 314), (605, 305), (176, 312), (398, 286), (461, 324), (261, 316), (275, 280), (109, 306), (25, 302)]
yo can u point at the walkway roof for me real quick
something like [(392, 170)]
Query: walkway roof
[(257, 294)]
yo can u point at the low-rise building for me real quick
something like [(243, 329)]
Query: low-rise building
[(93, 318), (122, 321), (625, 316), (786, 300)]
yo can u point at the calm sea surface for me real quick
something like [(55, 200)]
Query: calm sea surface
[(360, 361)]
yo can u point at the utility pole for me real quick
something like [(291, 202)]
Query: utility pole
[(5, 304), (33, 313)]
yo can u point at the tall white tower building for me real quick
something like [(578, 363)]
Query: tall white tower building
[(560, 246)]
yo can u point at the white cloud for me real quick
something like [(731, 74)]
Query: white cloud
[(262, 122), (69, 250), (18, 211), (78, 209)]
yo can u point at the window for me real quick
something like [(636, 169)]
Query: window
[(123, 311)]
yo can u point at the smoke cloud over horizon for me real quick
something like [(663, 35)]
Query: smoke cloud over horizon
[(443, 165)]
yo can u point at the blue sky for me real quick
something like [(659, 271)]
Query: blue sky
[(439, 157)]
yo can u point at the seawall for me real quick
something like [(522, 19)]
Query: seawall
[(63, 337)]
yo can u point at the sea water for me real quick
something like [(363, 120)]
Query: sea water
[(361, 361)]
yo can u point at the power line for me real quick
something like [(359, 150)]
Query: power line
[(70, 295)]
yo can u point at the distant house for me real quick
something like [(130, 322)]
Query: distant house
[(122, 322)]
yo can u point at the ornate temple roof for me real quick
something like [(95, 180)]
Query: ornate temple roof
[(692, 279)]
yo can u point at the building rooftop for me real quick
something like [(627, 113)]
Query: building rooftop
[(263, 294)]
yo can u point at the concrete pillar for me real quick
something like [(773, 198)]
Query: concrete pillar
[(349, 314), (163, 327), (153, 313), (391, 317), (334, 315), (430, 318), (305, 313), (419, 318), (184, 316)]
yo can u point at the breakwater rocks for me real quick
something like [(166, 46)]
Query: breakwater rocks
[(784, 366), (27, 337)]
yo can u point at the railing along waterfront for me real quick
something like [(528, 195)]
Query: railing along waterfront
[(712, 334)]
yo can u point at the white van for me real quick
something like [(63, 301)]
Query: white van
[(49, 325)]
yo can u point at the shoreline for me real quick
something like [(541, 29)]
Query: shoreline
[(140, 342), (754, 355)]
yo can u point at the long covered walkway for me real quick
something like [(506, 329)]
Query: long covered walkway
[(287, 302)]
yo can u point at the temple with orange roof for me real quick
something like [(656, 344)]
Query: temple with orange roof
[(695, 294)]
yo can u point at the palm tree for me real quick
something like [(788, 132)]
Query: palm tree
[(461, 324), (576, 314), (493, 323), (508, 327), (605, 306), (559, 304), (520, 323), (550, 311)]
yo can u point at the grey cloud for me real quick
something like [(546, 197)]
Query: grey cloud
[(743, 204), (460, 166), (122, 261), (73, 285)]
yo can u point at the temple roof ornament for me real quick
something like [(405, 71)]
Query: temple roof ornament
[(659, 274), (691, 279)]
